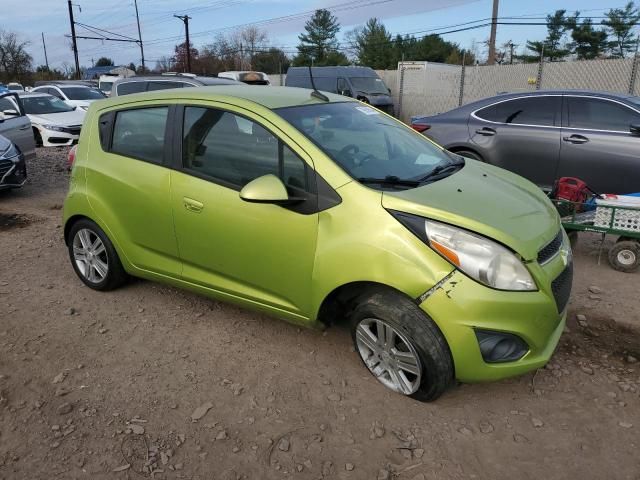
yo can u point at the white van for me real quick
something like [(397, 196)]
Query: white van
[(248, 77)]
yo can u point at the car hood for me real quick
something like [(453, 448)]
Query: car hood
[(487, 200), (74, 117)]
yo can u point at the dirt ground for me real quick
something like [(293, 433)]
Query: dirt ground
[(151, 382)]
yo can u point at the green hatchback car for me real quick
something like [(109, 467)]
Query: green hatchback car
[(321, 209)]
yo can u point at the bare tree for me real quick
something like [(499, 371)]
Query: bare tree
[(15, 61)]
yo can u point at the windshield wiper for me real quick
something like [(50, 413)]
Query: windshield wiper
[(443, 170), (389, 180)]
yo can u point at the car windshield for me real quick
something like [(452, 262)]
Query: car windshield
[(44, 104), (369, 85), (106, 86), (15, 87), (368, 144), (82, 93)]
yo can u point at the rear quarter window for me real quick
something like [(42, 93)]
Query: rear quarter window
[(129, 88)]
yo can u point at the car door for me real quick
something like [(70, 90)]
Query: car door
[(17, 128), (260, 253), (598, 146), (130, 186), (521, 135)]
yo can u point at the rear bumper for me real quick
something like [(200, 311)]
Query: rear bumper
[(461, 305)]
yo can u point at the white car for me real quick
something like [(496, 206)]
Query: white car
[(248, 77), (15, 87), (79, 96), (54, 122)]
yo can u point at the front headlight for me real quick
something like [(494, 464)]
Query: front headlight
[(55, 128), (10, 153), (482, 259)]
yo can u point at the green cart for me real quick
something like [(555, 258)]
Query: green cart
[(607, 218)]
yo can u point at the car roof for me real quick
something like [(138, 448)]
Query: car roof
[(332, 71), (178, 78), (33, 94), (271, 98)]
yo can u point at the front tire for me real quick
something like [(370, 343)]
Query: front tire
[(93, 257), (401, 346)]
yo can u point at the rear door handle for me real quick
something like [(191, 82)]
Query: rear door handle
[(486, 131), (192, 205), (577, 139)]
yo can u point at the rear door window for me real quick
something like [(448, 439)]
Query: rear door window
[(539, 111), (599, 114), (139, 133)]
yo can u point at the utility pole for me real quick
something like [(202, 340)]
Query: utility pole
[(511, 47), (73, 39), (492, 38), (135, 3), (185, 19), (44, 45)]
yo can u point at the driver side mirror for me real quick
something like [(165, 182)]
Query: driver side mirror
[(346, 93), (10, 113), (265, 189), (634, 128)]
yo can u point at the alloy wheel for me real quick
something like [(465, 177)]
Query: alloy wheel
[(90, 256), (389, 356)]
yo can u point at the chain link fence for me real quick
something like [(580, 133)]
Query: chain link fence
[(425, 88)]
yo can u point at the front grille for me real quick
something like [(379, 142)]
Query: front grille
[(551, 249), (5, 166), (73, 130), (561, 287)]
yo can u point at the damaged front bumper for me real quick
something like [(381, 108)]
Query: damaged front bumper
[(469, 313)]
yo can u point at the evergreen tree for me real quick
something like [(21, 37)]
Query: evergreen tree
[(373, 45), (558, 25), (104, 62), (319, 44), (620, 24), (589, 43)]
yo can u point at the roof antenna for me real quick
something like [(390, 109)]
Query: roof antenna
[(315, 93)]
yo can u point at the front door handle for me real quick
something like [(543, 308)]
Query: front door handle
[(486, 131), (25, 127), (577, 139), (192, 205)]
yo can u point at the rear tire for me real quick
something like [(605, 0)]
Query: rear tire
[(93, 257), (624, 256), (400, 345), (470, 154)]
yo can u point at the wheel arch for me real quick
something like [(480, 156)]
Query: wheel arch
[(462, 148), (336, 305), (71, 221)]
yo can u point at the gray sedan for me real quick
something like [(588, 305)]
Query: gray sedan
[(546, 135)]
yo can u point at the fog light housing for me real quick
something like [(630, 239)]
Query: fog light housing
[(499, 347)]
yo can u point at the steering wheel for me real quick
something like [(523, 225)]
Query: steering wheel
[(351, 150)]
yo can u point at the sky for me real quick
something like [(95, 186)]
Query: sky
[(282, 19)]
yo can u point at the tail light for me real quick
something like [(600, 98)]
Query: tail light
[(420, 127), (72, 157)]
